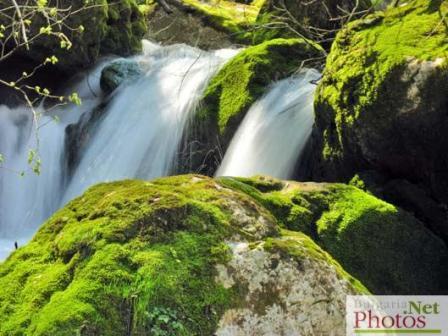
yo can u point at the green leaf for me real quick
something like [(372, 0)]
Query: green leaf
[(74, 98), (31, 156), (41, 3)]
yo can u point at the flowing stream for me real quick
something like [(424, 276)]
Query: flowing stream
[(274, 130), (138, 136)]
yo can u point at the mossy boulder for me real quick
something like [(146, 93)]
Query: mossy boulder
[(175, 256), (316, 20), (94, 28), (385, 247), (229, 95), (228, 16), (383, 102)]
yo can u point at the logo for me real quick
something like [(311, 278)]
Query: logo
[(397, 315)]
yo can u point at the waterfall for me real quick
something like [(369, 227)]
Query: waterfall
[(26, 201), (137, 137), (145, 120), (274, 130)]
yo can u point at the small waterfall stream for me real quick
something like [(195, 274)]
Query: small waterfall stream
[(274, 130), (26, 201), (138, 136), (141, 132)]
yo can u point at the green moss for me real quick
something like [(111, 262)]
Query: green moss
[(292, 210), (245, 78), (299, 246), (386, 248), (125, 28), (363, 82), (117, 257), (228, 14), (136, 257), (238, 19), (229, 95), (108, 27)]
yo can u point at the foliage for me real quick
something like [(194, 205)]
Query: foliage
[(164, 322), (317, 20)]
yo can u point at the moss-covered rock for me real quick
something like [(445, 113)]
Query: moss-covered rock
[(383, 102), (94, 28), (385, 247), (229, 95), (119, 72), (175, 256), (292, 270), (227, 15)]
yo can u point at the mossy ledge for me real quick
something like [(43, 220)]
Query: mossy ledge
[(386, 248), (137, 257), (229, 95)]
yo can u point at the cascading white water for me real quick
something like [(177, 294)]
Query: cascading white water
[(26, 201), (144, 123), (137, 138), (274, 130)]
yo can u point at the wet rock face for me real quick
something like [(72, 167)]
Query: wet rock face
[(119, 72), (382, 104)]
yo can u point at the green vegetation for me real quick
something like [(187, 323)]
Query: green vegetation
[(239, 83), (299, 246), (122, 254), (138, 257), (76, 32), (234, 17), (246, 77), (386, 248), (117, 257), (367, 78)]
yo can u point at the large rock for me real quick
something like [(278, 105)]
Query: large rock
[(176, 256), (109, 27), (378, 243), (383, 102), (230, 94)]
